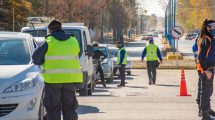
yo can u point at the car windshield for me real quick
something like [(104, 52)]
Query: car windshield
[(113, 52), (76, 34), (36, 33), (14, 51), (104, 51)]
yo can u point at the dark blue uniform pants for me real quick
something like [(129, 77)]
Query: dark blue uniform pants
[(60, 98), (151, 69), (207, 91)]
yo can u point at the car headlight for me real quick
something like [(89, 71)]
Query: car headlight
[(23, 85)]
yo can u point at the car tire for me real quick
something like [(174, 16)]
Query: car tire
[(129, 72), (110, 80), (41, 113), (84, 91)]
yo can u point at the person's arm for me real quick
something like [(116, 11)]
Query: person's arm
[(203, 53), (143, 54), (39, 54), (159, 54), (122, 56)]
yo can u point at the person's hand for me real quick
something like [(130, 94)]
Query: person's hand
[(208, 74)]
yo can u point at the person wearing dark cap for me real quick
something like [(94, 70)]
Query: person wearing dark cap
[(61, 69), (97, 56), (152, 52), (206, 66), (121, 62)]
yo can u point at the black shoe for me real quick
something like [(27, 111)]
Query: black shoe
[(104, 85), (150, 82), (212, 113), (206, 116)]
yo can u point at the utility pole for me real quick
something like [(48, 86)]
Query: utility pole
[(46, 8), (102, 27), (13, 19)]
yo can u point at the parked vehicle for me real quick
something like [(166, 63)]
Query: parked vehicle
[(191, 36), (107, 64), (21, 83), (82, 35), (113, 54), (147, 37)]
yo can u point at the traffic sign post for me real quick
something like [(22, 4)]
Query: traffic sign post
[(177, 32)]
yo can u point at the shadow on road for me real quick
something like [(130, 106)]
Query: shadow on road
[(84, 109), (142, 87), (165, 85)]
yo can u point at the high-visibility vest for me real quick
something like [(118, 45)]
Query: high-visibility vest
[(198, 66), (151, 52), (62, 63), (119, 58)]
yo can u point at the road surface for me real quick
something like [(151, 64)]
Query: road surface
[(139, 101)]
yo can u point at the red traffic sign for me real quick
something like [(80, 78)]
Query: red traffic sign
[(177, 32)]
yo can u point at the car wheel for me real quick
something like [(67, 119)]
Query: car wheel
[(129, 72), (41, 113), (84, 91), (110, 80)]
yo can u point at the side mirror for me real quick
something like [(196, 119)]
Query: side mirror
[(90, 51)]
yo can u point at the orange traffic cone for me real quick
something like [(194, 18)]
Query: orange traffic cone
[(183, 86)]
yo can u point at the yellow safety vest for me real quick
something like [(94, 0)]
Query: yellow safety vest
[(62, 64)]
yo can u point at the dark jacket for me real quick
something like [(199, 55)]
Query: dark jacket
[(158, 54), (207, 61), (39, 54), (97, 55)]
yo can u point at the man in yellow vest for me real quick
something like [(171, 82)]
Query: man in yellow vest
[(59, 57), (152, 53), (121, 61)]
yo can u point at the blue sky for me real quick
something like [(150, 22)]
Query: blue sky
[(152, 7)]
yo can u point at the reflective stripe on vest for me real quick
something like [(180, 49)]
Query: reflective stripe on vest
[(119, 58), (62, 63), (61, 57), (62, 71), (151, 52)]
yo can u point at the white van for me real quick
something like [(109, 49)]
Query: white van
[(82, 35)]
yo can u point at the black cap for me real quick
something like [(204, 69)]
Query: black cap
[(55, 25)]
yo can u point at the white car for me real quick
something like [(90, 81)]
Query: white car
[(81, 33), (21, 83), (106, 64)]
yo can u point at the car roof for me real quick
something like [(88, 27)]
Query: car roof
[(45, 27), (13, 34)]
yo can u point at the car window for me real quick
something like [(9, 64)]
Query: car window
[(113, 52), (104, 51), (14, 52), (36, 33), (77, 35)]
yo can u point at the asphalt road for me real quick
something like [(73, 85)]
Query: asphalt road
[(139, 101)]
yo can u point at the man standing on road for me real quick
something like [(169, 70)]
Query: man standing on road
[(97, 56), (121, 62), (152, 52), (62, 72), (207, 66)]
